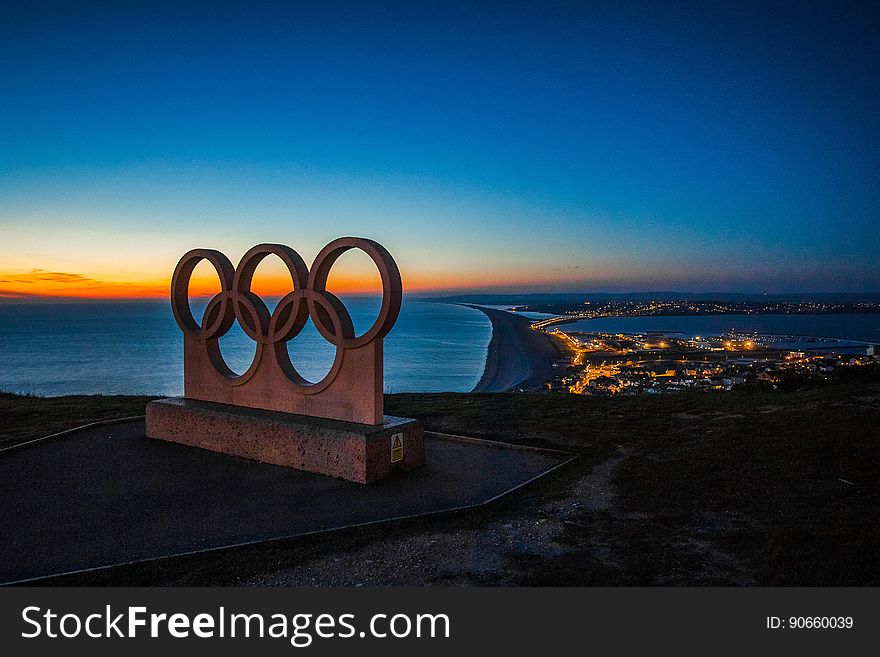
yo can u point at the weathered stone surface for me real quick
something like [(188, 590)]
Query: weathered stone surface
[(270, 413), (351, 390), (356, 452)]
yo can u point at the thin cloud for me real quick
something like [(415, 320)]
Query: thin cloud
[(51, 276), (45, 283), (12, 294)]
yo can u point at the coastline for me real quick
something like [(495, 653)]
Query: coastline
[(516, 356)]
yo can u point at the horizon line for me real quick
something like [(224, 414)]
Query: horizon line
[(439, 294)]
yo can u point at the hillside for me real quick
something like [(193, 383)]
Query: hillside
[(742, 488)]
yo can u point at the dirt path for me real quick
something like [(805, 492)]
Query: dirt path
[(496, 553)]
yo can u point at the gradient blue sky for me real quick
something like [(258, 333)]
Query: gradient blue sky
[(518, 146)]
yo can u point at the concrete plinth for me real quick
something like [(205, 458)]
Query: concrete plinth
[(356, 452)]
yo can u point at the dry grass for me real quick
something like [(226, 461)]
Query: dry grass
[(737, 488), (23, 418)]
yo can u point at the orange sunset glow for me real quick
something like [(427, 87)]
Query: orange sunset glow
[(353, 274), (48, 284), (43, 283)]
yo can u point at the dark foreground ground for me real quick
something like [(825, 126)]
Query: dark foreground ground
[(744, 488)]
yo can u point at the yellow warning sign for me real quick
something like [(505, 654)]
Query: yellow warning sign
[(396, 447)]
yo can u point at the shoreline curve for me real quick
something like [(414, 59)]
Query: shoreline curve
[(517, 356)]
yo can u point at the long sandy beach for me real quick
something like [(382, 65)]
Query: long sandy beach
[(517, 355)]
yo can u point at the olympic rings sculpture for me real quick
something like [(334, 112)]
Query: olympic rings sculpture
[(271, 331)]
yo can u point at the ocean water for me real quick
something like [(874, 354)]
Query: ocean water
[(859, 328), (529, 315), (137, 348)]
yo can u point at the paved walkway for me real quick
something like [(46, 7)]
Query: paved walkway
[(108, 495)]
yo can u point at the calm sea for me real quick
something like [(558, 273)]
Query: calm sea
[(137, 348)]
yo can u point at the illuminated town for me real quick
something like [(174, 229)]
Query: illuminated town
[(631, 364), (569, 312)]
